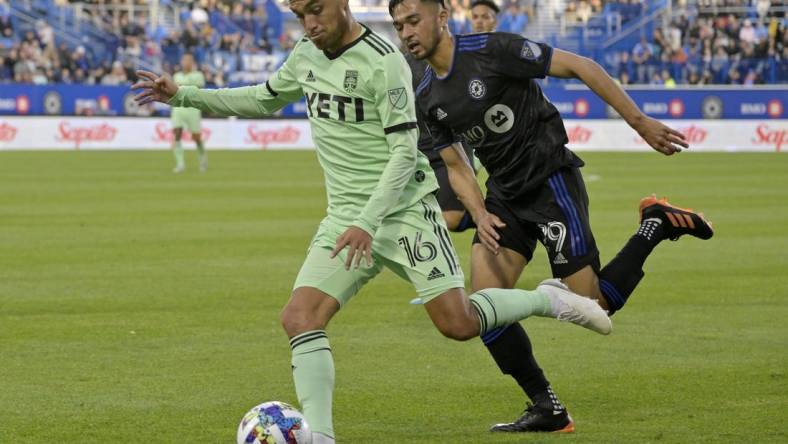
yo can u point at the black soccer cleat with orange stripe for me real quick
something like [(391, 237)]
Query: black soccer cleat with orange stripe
[(539, 419), (676, 221)]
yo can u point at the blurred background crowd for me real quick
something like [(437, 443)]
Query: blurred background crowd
[(737, 42)]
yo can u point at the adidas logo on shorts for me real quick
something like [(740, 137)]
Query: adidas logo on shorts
[(559, 259), (435, 274)]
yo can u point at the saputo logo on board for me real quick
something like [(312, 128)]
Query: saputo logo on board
[(263, 137), (163, 132), (77, 135), (764, 135), (579, 134), (7, 132)]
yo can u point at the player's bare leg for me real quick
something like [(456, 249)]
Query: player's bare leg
[(511, 348), (202, 155), (586, 282), (453, 219), (180, 165), (304, 319)]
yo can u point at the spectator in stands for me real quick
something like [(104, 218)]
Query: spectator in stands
[(667, 79), (117, 76), (513, 20), (6, 27), (747, 32)]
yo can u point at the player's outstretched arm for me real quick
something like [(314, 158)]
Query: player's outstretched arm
[(659, 136), (248, 101), (463, 182)]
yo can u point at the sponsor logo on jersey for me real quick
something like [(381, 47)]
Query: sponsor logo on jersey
[(530, 51), (767, 136), (351, 80), (441, 114), (477, 89), (310, 77), (334, 106), (398, 98), (499, 118), (435, 273)]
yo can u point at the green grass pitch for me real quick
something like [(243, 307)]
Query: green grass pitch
[(141, 307)]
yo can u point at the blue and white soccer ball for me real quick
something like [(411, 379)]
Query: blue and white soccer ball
[(274, 423)]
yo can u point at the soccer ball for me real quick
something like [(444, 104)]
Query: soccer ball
[(274, 423)]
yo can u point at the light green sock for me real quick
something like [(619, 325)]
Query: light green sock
[(201, 154), (313, 374), (498, 307), (178, 151)]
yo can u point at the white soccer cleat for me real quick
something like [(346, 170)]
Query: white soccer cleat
[(179, 169), (570, 307)]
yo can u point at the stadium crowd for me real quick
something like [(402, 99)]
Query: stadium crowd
[(744, 48), (242, 41)]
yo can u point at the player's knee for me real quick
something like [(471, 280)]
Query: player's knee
[(296, 321), (458, 330)]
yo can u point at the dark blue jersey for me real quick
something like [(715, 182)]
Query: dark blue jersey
[(418, 69), (490, 100)]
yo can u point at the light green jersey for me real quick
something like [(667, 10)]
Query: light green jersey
[(192, 78), (361, 109)]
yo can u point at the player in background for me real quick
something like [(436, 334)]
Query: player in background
[(480, 89), (186, 118), (458, 219), (381, 208), (484, 16)]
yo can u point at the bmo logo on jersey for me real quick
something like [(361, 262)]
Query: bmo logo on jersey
[(499, 118)]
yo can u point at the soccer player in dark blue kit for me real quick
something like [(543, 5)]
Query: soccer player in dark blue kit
[(480, 89)]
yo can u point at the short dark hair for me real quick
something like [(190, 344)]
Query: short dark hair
[(393, 4), (488, 3)]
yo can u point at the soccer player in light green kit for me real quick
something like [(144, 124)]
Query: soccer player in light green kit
[(381, 207), (188, 118)]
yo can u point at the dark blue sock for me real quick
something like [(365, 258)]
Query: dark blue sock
[(465, 223), (621, 275), (511, 348)]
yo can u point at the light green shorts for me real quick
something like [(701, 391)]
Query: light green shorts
[(189, 119), (413, 243)]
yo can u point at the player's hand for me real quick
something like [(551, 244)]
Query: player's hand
[(154, 88), (662, 138), (486, 228), (359, 244)]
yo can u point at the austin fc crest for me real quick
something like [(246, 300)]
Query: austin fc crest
[(351, 80)]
